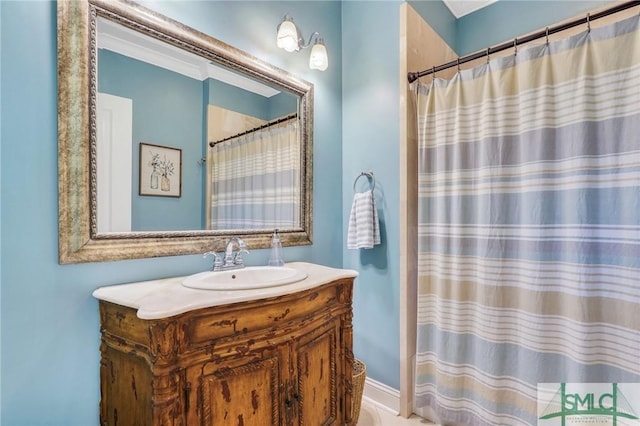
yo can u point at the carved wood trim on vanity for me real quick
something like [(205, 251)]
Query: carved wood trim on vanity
[(284, 360)]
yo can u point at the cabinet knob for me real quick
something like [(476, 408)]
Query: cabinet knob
[(294, 396)]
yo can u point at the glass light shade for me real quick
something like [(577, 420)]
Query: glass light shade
[(288, 36), (319, 59)]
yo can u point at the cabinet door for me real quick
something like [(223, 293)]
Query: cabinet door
[(126, 394), (235, 392), (317, 376)]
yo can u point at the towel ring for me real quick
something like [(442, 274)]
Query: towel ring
[(370, 176)]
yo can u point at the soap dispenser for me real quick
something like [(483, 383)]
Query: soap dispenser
[(275, 258)]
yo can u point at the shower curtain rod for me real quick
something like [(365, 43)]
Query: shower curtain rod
[(413, 76), (255, 129)]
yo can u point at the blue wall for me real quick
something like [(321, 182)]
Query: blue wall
[(499, 21), (232, 98), (439, 18), (235, 99), (1, 33), (282, 104), (505, 20), (370, 109), (170, 117), (49, 320), (49, 323)]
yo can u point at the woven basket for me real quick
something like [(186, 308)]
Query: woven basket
[(359, 374)]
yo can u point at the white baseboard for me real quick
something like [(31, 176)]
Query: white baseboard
[(382, 395)]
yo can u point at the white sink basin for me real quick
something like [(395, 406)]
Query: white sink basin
[(251, 277)]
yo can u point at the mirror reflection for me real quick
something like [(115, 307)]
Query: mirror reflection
[(141, 98), (185, 144)]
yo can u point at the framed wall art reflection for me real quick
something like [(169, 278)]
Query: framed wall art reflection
[(160, 170)]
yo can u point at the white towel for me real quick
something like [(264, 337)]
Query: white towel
[(364, 229)]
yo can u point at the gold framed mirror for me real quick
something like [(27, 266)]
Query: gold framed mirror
[(84, 236)]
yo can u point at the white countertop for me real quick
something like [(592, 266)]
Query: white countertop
[(168, 297)]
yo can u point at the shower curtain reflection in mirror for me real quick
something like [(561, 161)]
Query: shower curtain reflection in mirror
[(254, 180)]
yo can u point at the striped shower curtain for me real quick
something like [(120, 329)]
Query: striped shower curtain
[(255, 180), (529, 236)]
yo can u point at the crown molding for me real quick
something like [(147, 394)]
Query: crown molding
[(124, 41)]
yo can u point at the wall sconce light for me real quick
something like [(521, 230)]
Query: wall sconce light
[(290, 39)]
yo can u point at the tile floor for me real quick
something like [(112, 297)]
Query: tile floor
[(374, 415)]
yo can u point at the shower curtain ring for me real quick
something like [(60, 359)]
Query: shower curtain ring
[(458, 61), (433, 74), (488, 51), (588, 22), (515, 46), (547, 35)]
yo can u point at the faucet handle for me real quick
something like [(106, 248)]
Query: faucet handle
[(217, 259), (228, 258), (238, 260)]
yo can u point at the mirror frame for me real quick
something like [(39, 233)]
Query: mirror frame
[(79, 240)]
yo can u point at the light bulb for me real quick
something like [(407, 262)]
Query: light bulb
[(319, 60)]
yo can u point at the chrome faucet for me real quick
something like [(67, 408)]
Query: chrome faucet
[(232, 258)]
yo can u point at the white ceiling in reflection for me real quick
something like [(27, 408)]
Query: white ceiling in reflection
[(122, 40), (460, 8)]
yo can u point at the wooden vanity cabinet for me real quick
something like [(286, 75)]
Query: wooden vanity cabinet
[(285, 360)]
